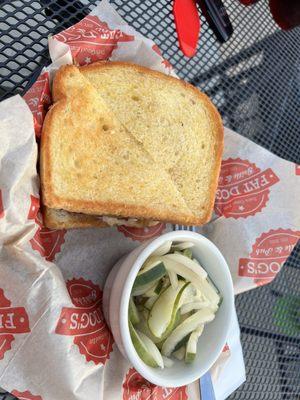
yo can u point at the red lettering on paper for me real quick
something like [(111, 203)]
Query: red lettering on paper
[(13, 321), (269, 253), (243, 188), (135, 387), (25, 395), (92, 40), (38, 99), (85, 321)]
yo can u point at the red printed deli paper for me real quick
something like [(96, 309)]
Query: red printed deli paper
[(85, 322), (135, 387), (257, 212), (54, 342), (243, 188), (38, 99)]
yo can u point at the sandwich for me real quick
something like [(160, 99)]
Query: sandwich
[(123, 144)]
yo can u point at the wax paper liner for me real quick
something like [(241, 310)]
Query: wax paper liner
[(48, 354)]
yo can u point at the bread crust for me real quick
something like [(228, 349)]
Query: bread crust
[(119, 209), (53, 220), (216, 117)]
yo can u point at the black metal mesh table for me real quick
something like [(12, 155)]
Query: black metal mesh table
[(254, 80)]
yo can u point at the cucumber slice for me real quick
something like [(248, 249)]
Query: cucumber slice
[(168, 362), (182, 246), (188, 253), (195, 305), (140, 291), (133, 312), (145, 348), (186, 327), (151, 292), (187, 262), (150, 263), (191, 347), (160, 341), (152, 349), (190, 275), (159, 287), (182, 343), (163, 249), (173, 279), (142, 326), (151, 275), (162, 316), (180, 353)]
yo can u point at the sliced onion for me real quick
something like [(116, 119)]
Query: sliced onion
[(190, 275), (151, 300), (143, 289), (173, 279), (196, 305), (168, 362), (191, 347), (163, 249), (180, 353), (179, 258), (149, 264), (186, 327)]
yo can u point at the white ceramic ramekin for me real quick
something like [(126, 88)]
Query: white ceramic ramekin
[(116, 299)]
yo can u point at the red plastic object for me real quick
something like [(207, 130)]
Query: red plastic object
[(286, 13), (248, 2), (187, 23)]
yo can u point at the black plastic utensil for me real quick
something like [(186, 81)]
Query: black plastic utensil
[(217, 18)]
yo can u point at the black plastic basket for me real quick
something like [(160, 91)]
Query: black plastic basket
[(254, 80)]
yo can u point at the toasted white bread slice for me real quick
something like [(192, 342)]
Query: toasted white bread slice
[(90, 163), (176, 123)]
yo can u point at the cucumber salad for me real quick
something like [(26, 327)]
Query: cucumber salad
[(172, 299)]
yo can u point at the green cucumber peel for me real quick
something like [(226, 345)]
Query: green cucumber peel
[(163, 314), (145, 348), (182, 246), (182, 342), (133, 312), (191, 347), (212, 283), (159, 287), (185, 328), (150, 276), (140, 291), (142, 326)]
